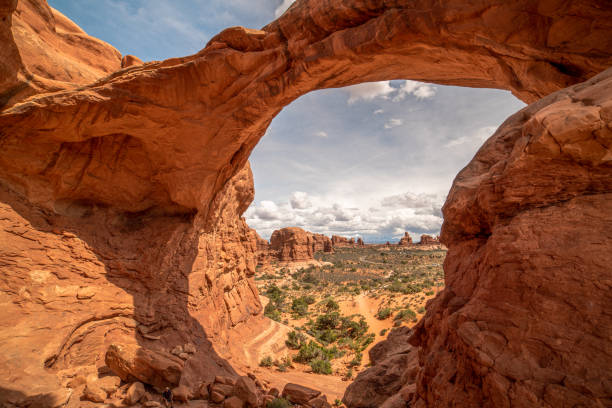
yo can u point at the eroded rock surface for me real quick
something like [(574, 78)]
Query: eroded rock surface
[(528, 224), (121, 192)]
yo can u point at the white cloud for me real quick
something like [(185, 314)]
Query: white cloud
[(321, 133), (299, 200), (418, 89), (368, 91), (410, 200), (391, 216), (283, 7), (393, 122), (378, 111), (476, 138), (267, 210)]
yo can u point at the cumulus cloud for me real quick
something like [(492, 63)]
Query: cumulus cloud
[(418, 89), (369, 91), (321, 133), (283, 7), (267, 210), (410, 200), (378, 111), (476, 138), (416, 213), (393, 122), (299, 200)]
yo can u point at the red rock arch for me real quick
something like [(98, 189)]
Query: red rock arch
[(524, 320)]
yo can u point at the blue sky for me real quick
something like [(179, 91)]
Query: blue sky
[(372, 160)]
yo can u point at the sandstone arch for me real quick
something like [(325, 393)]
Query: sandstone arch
[(164, 138)]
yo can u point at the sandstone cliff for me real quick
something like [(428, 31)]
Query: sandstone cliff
[(120, 224)]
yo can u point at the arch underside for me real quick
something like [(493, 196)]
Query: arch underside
[(524, 319)]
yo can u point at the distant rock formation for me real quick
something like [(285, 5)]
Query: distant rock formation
[(429, 240), (322, 243), (291, 244), (360, 242), (406, 240), (339, 242)]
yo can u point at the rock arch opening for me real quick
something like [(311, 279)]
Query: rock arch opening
[(513, 326)]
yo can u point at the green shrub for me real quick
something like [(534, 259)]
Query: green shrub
[(405, 315), (383, 313), (320, 366), (270, 311), (299, 306), (421, 310), (295, 340), (266, 362), (311, 351), (331, 305), (278, 403), (383, 332), (327, 321)]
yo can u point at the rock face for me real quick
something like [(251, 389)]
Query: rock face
[(43, 51), (428, 240), (293, 244), (340, 242), (406, 240), (321, 243), (392, 375), (522, 320), (114, 207)]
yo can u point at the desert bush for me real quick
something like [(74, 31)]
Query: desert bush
[(421, 310), (383, 332), (295, 340), (270, 311), (311, 351), (299, 306), (330, 304), (405, 315), (321, 366), (279, 403), (383, 313), (266, 362), (327, 321)]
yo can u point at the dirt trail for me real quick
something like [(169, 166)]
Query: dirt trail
[(367, 307)]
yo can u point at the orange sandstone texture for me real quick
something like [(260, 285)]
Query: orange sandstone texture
[(122, 189)]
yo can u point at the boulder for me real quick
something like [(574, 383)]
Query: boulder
[(131, 362), (233, 402), (182, 393), (92, 392), (134, 393), (246, 390), (298, 394)]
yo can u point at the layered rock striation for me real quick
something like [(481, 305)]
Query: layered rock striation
[(121, 192)]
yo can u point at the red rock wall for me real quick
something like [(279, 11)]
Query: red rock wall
[(523, 320), (100, 196)]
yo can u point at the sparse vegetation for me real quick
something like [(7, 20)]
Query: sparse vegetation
[(266, 362), (278, 403), (337, 310)]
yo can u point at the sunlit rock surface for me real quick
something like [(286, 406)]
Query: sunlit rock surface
[(122, 191)]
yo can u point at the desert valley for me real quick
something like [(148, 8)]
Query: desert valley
[(127, 267)]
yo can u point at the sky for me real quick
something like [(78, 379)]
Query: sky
[(371, 160)]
